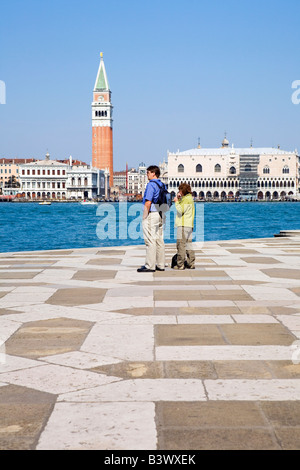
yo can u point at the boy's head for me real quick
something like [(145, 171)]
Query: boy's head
[(185, 189), (153, 170)]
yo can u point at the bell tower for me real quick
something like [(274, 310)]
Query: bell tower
[(102, 123)]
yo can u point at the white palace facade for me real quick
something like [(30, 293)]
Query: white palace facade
[(229, 173), (52, 179)]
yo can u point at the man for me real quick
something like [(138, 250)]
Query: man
[(184, 222), (153, 224)]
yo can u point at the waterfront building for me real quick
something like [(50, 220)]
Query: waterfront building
[(137, 180), (86, 182), (164, 172), (120, 178), (132, 181), (102, 123), (43, 179), (229, 173), (9, 171), (51, 179)]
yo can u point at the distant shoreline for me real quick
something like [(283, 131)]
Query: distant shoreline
[(138, 201)]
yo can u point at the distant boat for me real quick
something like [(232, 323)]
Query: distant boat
[(88, 203), (45, 203)]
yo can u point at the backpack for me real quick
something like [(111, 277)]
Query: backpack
[(174, 262), (164, 200)]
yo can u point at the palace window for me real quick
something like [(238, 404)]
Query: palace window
[(180, 169), (199, 168), (266, 170), (232, 170), (217, 168), (285, 170), (248, 167)]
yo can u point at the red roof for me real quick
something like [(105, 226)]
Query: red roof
[(17, 161), (74, 162)]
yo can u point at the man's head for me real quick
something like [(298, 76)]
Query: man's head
[(185, 189), (153, 172)]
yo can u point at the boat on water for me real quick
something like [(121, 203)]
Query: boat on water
[(45, 203), (88, 203)]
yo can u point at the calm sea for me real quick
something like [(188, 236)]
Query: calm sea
[(29, 226)]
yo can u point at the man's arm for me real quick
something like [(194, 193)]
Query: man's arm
[(146, 209)]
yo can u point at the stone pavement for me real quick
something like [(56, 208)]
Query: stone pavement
[(97, 356)]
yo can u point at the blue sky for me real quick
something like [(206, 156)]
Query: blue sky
[(178, 70)]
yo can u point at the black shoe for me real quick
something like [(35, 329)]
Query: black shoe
[(159, 269), (143, 269)]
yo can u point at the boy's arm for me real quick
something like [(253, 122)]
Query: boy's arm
[(146, 209)]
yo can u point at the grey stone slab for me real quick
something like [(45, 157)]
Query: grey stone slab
[(24, 413), (78, 296), (48, 337)]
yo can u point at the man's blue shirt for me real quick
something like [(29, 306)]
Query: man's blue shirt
[(152, 193)]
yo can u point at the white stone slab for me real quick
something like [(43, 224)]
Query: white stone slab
[(10, 363), (33, 290), (204, 319), (171, 303), (100, 426), (80, 360), (129, 291), (275, 389), (50, 275), (7, 328), (257, 318), (246, 274), (265, 293), (117, 303), (147, 320), (223, 353), (211, 303), (292, 322), (126, 342), (27, 297), (56, 379), (14, 303), (142, 390), (130, 275)]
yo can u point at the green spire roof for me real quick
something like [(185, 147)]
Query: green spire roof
[(101, 81)]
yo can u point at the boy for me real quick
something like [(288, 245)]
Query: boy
[(153, 224), (184, 222)]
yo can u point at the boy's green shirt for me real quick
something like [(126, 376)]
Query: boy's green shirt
[(185, 211)]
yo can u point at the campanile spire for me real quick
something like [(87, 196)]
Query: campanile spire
[(102, 122)]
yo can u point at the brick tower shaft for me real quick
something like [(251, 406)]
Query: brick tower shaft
[(102, 123)]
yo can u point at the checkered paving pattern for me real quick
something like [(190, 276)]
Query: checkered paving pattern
[(94, 355)]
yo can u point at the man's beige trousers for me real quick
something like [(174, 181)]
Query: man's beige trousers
[(154, 241)]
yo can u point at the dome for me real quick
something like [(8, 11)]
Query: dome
[(225, 142)]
